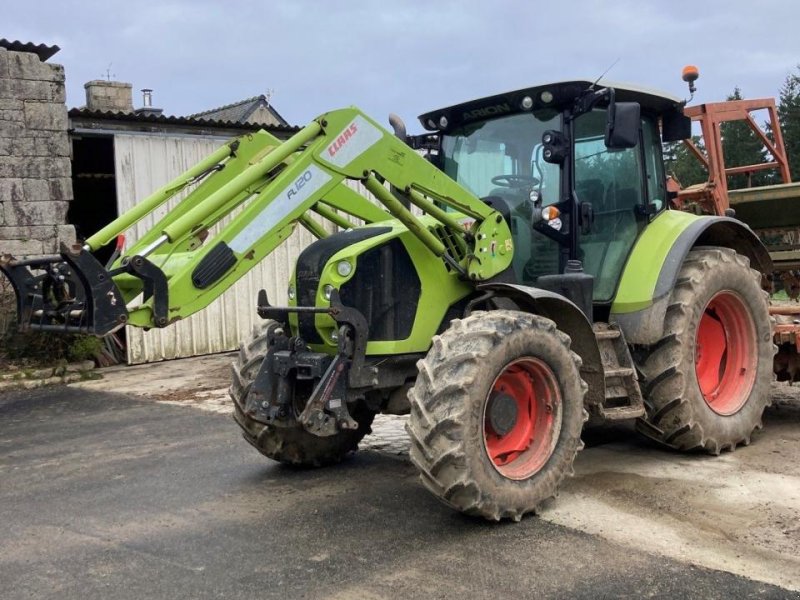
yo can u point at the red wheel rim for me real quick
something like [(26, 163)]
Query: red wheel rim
[(523, 450), (725, 360)]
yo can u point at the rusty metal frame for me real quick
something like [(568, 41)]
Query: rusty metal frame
[(713, 195)]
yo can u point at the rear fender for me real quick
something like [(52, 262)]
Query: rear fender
[(569, 319), (641, 302)]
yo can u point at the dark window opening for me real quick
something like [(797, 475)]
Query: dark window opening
[(94, 187), (94, 206)]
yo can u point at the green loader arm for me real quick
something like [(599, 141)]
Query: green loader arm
[(265, 189)]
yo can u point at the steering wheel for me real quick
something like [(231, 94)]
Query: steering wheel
[(515, 181)]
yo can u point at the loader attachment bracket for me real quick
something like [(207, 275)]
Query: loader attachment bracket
[(68, 292), (288, 361), (352, 337), (155, 286)]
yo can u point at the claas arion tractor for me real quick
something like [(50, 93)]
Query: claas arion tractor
[(525, 276)]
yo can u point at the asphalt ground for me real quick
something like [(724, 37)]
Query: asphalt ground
[(104, 495)]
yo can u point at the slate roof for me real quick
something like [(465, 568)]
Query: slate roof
[(42, 51), (238, 112)]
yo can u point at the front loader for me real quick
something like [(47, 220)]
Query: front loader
[(525, 277)]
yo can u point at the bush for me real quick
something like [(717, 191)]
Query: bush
[(84, 347)]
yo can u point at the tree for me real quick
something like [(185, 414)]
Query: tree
[(741, 147), (789, 117), (683, 164)]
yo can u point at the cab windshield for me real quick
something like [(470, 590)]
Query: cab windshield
[(503, 157)]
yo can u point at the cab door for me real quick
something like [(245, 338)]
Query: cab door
[(625, 188)]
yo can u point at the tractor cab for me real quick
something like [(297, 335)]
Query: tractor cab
[(576, 167)]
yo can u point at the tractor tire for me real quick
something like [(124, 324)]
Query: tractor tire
[(496, 413), (706, 382), (289, 445)]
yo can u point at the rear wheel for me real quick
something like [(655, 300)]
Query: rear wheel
[(496, 413), (707, 380), (291, 445)]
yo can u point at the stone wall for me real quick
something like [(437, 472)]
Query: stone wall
[(35, 169)]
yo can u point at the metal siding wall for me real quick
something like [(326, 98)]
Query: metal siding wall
[(143, 164)]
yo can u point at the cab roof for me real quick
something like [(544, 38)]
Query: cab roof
[(561, 94)]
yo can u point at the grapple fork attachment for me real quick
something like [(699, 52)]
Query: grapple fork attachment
[(68, 292)]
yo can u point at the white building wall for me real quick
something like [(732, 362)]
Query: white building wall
[(143, 164)]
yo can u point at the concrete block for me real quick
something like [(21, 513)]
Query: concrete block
[(55, 73), (6, 145), (17, 116), (52, 144), (25, 89), (45, 116), (64, 234), (9, 167), (36, 213), (3, 63), (11, 190), (77, 367), (10, 103), (12, 167), (30, 384), (38, 143), (22, 248), (37, 167), (24, 65), (23, 145), (60, 189), (36, 190), (28, 232), (11, 129)]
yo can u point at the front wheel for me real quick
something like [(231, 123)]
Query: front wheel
[(706, 382), (496, 413)]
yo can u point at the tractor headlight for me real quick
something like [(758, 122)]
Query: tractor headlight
[(291, 292), (344, 268), (327, 291)]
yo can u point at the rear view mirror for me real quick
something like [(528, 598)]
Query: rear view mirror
[(622, 126), (675, 126)]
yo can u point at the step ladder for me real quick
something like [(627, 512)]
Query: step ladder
[(623, 398)]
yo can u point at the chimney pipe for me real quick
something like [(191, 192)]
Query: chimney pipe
[(147, 109)]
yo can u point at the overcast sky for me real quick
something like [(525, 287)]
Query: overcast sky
[(405, 57)]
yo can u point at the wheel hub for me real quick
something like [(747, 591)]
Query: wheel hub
[(522, 418), (725, 361), (502, 413)]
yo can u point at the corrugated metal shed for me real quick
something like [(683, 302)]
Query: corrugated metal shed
[(143, 164), (84, 118), (243, 111)]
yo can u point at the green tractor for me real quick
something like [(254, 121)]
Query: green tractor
[(524, 276)]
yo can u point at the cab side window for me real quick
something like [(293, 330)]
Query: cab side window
[(611, 180)]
